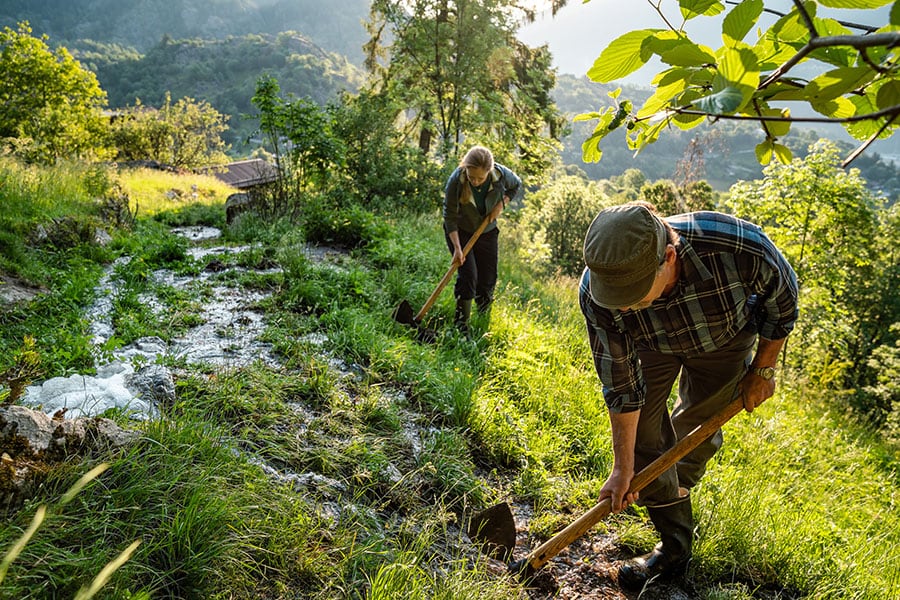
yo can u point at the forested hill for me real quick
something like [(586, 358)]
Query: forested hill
[(215, 50), (141, 24), (224, 73)]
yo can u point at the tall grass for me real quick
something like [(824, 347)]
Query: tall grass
[(375, 445)]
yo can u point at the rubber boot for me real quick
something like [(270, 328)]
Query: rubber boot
[(461, 318), (484, 304), (669, 559)]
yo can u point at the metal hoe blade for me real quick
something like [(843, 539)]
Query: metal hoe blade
[(495, 530)]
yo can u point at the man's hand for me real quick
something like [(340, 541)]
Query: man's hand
[(616, 489), (755, 390)]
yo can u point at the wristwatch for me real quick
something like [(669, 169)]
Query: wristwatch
[(766, 373)]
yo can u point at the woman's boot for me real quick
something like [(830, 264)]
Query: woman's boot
[(461, 318)]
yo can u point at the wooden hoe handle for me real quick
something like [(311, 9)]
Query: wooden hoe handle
[(440, 287), (539, 557)]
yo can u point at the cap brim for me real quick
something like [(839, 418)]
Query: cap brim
[(609, 296)]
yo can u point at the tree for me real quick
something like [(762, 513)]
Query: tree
[(841, 242), (186, 134), (299, 133), (856, 81), (457, 68), (50, 107), (554, 221)]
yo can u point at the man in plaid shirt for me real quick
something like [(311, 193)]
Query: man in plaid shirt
[(705, 298)]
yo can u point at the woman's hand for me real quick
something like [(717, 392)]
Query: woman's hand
[(498, 208), (458, 257)]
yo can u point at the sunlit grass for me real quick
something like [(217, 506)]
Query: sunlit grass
[(152, 192), (793, 499), (400, 433)]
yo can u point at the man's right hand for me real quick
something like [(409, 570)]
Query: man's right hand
[(616, 489)]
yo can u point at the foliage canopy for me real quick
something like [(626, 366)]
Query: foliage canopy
[(855, 82), (50, 107)]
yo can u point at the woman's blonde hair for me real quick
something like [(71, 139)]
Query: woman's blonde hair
[(478, 157)]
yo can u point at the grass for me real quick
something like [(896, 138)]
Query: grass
[(370, 468)]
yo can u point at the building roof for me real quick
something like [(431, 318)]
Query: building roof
[(244, 174)]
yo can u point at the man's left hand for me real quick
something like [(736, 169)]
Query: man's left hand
[(755, 390)]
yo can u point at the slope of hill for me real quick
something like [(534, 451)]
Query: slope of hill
[(140, 24), (224, 73)]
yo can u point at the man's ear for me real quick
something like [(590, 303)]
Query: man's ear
[(671, 254)]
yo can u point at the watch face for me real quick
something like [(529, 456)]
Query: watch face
[(766, 372)]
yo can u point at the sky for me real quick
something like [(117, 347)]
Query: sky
[(581, 30)]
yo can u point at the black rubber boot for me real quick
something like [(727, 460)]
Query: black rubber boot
[(484, 304), (461, 318), (669, 559)]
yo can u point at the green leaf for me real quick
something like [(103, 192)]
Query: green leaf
[(854, 3), (862, 130), (837, 82), (696, 8), (771, 53), (838, 108), (840, 56), (763, 152), (685, 122), (622, 57), (740, 21), (782, 153), (590, 149), (737, 71), (669, 85), (725, 102), (888, 94), (687, 54), (739, 66), (791, 27), (777, 129), (895, 14)]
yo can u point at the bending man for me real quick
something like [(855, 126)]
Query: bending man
[(704, 298)]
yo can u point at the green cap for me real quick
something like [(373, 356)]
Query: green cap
[(623, 249)]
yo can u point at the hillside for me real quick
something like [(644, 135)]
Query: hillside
[(224, 73), (310, 447), (141, 24)]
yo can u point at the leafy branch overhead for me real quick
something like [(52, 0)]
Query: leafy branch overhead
[(855, 81)]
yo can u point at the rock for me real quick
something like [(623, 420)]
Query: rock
[(32, 442), (152, 383), (236, 204)]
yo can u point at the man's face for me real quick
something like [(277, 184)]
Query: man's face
[(659, 284)]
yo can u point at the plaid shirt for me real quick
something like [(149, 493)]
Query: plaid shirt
[(732, 277)]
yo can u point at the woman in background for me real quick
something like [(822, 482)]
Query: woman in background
[(478, 189)]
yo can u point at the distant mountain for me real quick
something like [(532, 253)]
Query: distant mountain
[(224, 73), (141, 24)]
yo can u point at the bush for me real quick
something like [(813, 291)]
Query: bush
[(555, 220)]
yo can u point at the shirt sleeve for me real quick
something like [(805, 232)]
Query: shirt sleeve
[(615, 356), (512, 184), (451, 202), (780, 294)]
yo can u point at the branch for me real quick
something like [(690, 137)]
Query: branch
[(771, 11), (853, 155), (891, 111), (806, 19), (859, 42)]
